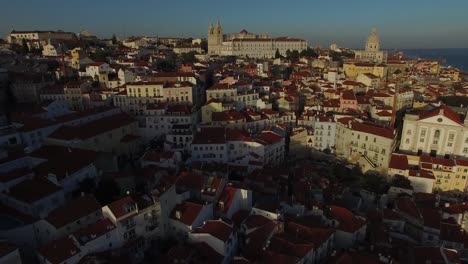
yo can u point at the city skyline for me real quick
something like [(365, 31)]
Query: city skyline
[(402, 25)]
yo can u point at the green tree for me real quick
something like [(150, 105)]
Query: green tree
[(188, 57), (397, 71), (288, 54), (114, 39), (107, 191), (204, 45), (374, 182), (25, 46), (278, 54), (309, 53)]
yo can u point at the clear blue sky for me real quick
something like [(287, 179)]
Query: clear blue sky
[(400, 23)]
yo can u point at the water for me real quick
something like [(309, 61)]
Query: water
[(457, 58)]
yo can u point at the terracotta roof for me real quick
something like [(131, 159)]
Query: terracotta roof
[(348, 222), (94, 231), (399, 162), (73, 210), (190, 181), (210, 135), (32, 190), (408, 207), (93, 128), (58, 251), (15, 174), (444, 111), (268, 138), (374, 129), (348, 95), (121, 207), (186, 212), (62, 161), (216, 228)]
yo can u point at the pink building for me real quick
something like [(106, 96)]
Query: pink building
[(348, 100)]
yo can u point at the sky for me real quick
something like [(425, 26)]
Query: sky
[(400, 23)]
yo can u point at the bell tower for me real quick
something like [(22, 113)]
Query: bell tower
[(215, 39)]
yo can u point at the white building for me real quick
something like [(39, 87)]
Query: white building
[(372, 51), (250, 45), (438, 132), (324, 132)]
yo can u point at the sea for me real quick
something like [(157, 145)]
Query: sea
[(457, 58)]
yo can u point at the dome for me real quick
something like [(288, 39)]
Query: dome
[(373, 38)]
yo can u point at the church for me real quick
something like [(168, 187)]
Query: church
[(247, 44), (372, 52)]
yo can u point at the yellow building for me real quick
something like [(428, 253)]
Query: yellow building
[(213, 106), (449, 174), (353, 69)]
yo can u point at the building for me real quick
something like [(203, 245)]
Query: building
[(365, 143), (38, 38), (439, 132), (353, 69), (245, 44), (372, 50)]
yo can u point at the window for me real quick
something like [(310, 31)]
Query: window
[(423, 133), (451, 137), (437, 134), (408, 132), (407, 141)]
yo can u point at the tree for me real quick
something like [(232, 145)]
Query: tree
[(309, 53), (114, 39), (278, 54), (374, 182), (397, 71), (288, 54), (25, 46), (204, 45), (107, 191), (188, 57)]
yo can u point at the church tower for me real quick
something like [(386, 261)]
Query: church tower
[(373, 42), (215, 39)]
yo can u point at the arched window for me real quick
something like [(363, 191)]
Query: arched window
[(437, 134)]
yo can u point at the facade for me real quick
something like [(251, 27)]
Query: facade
[(353, 69), (39, 38), (437, 132), (367, 144), (250, 45), (324, 133), (372, 50)]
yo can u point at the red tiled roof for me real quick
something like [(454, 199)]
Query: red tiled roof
[(374, 129), (399, 162), (62, 161), (94, 128), (61, 250), (120, 207), (190, 181), (32, 190), (348, 222), (227, 196), (73, 210), (408, 207), (348, 95), (268, 138), (216, 228), (15, 174), (210, 135), (94, 231), (186, 212), (442, 110)]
